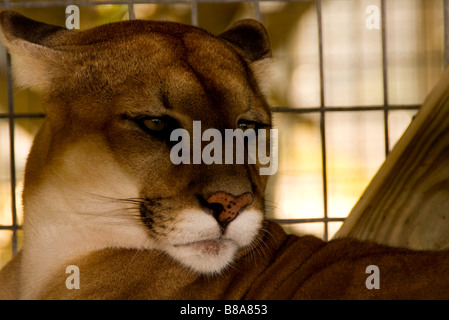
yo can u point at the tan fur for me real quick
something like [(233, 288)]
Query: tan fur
[(9, 279), (101, 192), (283, 267)]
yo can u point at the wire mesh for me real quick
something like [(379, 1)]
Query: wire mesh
[(11, 115)]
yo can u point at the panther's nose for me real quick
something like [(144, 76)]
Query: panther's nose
[(226, 206)]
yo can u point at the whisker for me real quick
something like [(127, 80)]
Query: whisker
[(132, 200)]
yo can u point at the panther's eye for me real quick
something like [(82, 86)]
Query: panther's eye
[(247, 125), (155, 124)]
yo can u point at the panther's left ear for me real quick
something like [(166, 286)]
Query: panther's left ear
[(250, 38)]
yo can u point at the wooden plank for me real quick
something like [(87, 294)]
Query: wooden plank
[(407, 202)]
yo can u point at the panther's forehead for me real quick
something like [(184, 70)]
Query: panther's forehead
[(140, 69), (146, 52), (145, 39), (139, 66), (146, 72)]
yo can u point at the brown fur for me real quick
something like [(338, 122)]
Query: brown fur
[(283, 267), (101, 193)]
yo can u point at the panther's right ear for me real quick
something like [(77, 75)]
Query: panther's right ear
[(250, 38), (32, 44)]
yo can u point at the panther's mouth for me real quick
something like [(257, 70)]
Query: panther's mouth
[(198, 242)]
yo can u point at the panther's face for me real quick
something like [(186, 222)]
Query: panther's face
[(115, 95)]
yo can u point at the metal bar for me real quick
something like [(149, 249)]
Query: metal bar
[(41, 4), (131, 13), (385, 77), (23, 115), (343, 109), (292, 221), (194, 12), (57, 3), (257, 10), (273, 109), (10, 228), (12, 159), (322, 114), (446, 33)]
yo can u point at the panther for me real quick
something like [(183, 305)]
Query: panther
[(102, 194)]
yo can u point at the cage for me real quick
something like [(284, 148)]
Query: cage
[(347, 78)]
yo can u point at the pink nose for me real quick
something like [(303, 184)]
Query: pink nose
[(231, 205)]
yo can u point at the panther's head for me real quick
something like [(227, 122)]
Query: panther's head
[(101, 168)]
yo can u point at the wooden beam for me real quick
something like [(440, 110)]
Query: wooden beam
[(407, 202)]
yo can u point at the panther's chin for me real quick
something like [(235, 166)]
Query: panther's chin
[(200, 244), (206, 247), (206, 256)]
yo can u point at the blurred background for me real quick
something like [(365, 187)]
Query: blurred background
[(342, 94)]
